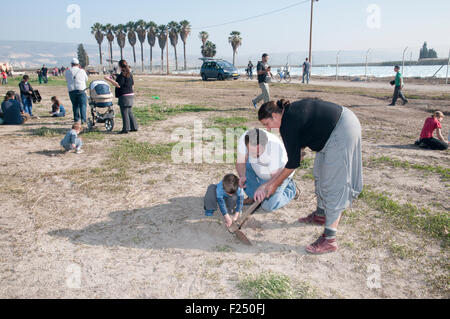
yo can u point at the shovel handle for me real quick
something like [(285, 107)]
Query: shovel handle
[(236, 226)]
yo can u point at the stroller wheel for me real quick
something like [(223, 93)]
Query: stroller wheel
[(109, 124), (90, 124)]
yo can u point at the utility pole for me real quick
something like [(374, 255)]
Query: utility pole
[(403, 61), (367, 61), (310, 35), (448, 64), (337, 64)]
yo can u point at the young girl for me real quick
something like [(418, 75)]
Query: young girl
[(57, 108), (426, 136), (71, 141)]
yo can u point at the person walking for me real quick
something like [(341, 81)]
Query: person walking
[(398, 82), (263, 71), (124, 92), (306, 71), (334, 132), (76, 79), (250, 70), (26, 91), (44, 71)]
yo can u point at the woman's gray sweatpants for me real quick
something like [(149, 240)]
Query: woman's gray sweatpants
[(338, 168)]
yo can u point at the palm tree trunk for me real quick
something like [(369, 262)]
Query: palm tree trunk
[(121, 53), (176, 58), (234, 56), (151, 59), (100, 50), (142, 56), (134, 55), (184, 49), (162, 60), (110, 53)]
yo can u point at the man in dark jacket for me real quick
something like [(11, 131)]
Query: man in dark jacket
[(26, 91), (44, 71)]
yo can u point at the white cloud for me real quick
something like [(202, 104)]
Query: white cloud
[(19, 56)]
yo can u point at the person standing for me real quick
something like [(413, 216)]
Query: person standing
[(306, 71), (250, 70), (76, 79), (334, 132), (4, 78), (26, 91), (398, 87), (263, 70), (39, 74), (124, 92), (44, 71)]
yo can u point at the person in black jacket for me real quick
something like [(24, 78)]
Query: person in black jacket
[(124, 92), (26, 92)]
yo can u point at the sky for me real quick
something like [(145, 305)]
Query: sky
[(338, 24)]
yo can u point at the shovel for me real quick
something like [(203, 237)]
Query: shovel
[(237, 225)]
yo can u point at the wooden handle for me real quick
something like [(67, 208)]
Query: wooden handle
[(236, 226)]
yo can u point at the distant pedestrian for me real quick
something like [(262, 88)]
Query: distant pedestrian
[(44, 71), (398, 82), (76, 79), (4, 78), (263, 71), (39, 74), (306, 71)]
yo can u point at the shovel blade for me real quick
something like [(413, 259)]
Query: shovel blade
[(241, 236)]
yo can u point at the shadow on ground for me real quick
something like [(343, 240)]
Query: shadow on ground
[(177, 224)]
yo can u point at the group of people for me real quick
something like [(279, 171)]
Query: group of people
[(42, 73)]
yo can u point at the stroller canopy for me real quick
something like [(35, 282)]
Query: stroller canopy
[(100, 93)]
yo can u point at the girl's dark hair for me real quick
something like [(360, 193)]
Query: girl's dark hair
[(26, 77), (54, 98), (125, 68), (230, 183), (267, 109), (9, 95)]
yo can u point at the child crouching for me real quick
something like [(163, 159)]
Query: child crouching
[(71, 141), (228, 195)]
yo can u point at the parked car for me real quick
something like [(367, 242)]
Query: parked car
[(218, 69), (92, 71)]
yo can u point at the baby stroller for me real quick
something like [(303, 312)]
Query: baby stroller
[(100, 97)]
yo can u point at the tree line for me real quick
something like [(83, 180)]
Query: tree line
[(143, 31)]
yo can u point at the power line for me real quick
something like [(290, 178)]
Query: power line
[(253, 17)]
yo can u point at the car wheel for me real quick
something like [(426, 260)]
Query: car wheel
[(204, 78), (220, 77)]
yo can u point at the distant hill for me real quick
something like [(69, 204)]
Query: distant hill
[(32, 54)]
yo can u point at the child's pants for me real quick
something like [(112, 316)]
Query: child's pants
[(211, 200), (78, 145)]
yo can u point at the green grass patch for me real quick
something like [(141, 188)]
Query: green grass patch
[(401, 251), (230, 121), (307, 163), (48, 132), (52, 81), (129, 149), (275, 286), (93, 135), (407, 215), (444, 172)]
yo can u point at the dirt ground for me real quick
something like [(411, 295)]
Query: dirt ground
[(122, 220)]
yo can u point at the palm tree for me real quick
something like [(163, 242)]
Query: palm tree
[(203, 35), (208, 49), (152, 31), (121, 37), (174, 28), (235, 40), (130, 27), (184, 33), (141, 29), (162, 39), (97, 29), (109, 31)]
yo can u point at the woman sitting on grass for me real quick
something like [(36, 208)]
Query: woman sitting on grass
[(57, 108), (426, 136), (12, 110)]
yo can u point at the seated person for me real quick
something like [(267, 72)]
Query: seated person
[(261, 158), (57, 108), (426, 136), (13, 112), (228, 195)]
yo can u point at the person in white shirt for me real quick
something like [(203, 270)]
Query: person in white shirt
[(261, 157), (76, 79)]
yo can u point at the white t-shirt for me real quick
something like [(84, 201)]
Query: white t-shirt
[(270, 161), (76, 79)]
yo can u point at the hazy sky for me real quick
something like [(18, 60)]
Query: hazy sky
[(338, 24)]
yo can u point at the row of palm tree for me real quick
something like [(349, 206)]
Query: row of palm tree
[(141, 30)]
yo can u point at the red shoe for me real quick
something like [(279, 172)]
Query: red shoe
[(322, 246), (313, 219)]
